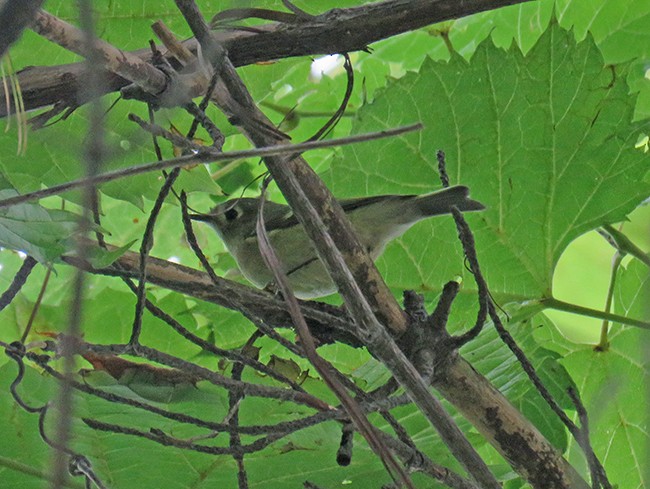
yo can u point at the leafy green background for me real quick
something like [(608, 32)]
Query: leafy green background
[(545, 140)]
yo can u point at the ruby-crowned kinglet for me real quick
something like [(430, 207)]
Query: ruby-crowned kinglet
[(376, 220)]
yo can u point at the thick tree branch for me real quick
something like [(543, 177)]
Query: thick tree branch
[(525, 448), (502, 425), (119, 62), (328, 323), (367, 297), (335, 31)]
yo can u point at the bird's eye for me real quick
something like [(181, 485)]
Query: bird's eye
[(231, 214)]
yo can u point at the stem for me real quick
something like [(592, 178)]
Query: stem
[(559, 305), (625, 245), (616, 263)]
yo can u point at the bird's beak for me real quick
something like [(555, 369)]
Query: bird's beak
[(200, 217)]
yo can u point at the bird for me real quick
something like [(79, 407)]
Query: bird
[(376, 220)]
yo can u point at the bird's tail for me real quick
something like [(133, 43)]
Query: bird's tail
[(441, 202)]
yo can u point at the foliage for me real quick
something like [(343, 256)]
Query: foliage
[(542, 129)]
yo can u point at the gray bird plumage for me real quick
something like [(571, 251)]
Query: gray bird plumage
[(376, 220)]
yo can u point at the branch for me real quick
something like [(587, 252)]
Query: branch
[(335, 31), (327, 323), (505, 427), (116, 61), (207, 154), (18, 281), (366, 296), (323, 367)]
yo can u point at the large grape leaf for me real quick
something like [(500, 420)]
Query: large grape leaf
[(120, 458), (622, 34), (619, 29), (613, 384), (545, 141)]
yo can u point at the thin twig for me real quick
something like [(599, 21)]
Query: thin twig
[(37, 305), (469, 247), (214, 378), (166, 440), (156, 131), (329, 125), (598, 475), (18, 281), (147, 242), (323, 367), (207, 154)]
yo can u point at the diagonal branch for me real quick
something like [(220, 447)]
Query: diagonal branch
[(327, 323), (122, 63), (366, 295), (207, 154)]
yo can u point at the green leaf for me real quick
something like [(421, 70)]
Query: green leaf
[(37, 231), (498, 118), (544, 141), (613, 385), (621, 34), (633, 290), (101, 258), (490, 356)]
